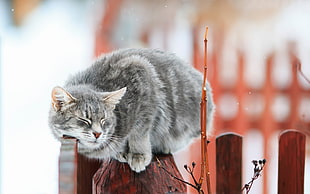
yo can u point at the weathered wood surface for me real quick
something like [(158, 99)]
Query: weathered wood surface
[(115, 177), (86, 169), (80, 175), (68, 167), (75, 171), (292, 146), (77, 175), (228, 163)]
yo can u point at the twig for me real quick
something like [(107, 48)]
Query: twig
[(203, 120), (205, 172), (258, 168), (190, 170)]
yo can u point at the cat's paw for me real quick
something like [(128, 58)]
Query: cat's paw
[(138, 161)]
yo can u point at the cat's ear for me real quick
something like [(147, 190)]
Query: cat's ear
[(61, 98), (114, 97)]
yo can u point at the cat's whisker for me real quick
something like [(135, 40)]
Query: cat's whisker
[(111, 147), (115, 137)]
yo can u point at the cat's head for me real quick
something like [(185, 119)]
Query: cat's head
[(84, 114)]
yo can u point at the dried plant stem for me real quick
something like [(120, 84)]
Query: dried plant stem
[(189, 170), (258, 168), (203, 118), (205, 172)]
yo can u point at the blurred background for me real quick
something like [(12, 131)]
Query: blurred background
[(259, 63)]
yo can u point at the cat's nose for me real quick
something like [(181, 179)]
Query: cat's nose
[(96, 134)]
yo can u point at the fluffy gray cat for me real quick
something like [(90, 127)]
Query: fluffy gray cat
[(129, 104)]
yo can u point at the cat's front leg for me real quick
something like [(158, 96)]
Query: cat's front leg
[(140, 152)]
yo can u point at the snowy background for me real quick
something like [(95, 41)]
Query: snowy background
[(57, 39)]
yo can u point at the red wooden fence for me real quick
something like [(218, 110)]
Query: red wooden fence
[(255, 107), (267, 108), (291, 162), (78, 175), (228, 163), (117, 178)]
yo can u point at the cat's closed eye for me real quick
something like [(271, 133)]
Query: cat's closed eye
[(105, 123), (102, 121), (84, 121)]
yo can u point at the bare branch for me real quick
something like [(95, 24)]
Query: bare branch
[(198, 188), (203, 120), (258, 168)]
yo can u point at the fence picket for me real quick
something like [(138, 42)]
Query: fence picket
[(292, 146), (117, 177), (76, 171), (68, 167), (228, 163), (85, 172)]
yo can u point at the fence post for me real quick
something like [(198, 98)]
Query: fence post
[(116, 177), (75, 171), (228, 163), (68, 167), (292, 146), (86, 169)]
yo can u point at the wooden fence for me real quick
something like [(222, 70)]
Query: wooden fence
[(79, 175), (268, 107)]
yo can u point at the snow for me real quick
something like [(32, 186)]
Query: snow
[(54, 41)]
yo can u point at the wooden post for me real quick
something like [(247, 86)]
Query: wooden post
[(86, 168), (115, 177), (292, 146), (228, 163), (75, 171), (68, 167)]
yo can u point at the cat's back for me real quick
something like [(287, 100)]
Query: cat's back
[(165, 63), (133, 65)]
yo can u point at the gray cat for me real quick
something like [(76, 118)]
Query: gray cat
[(129, 104)]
